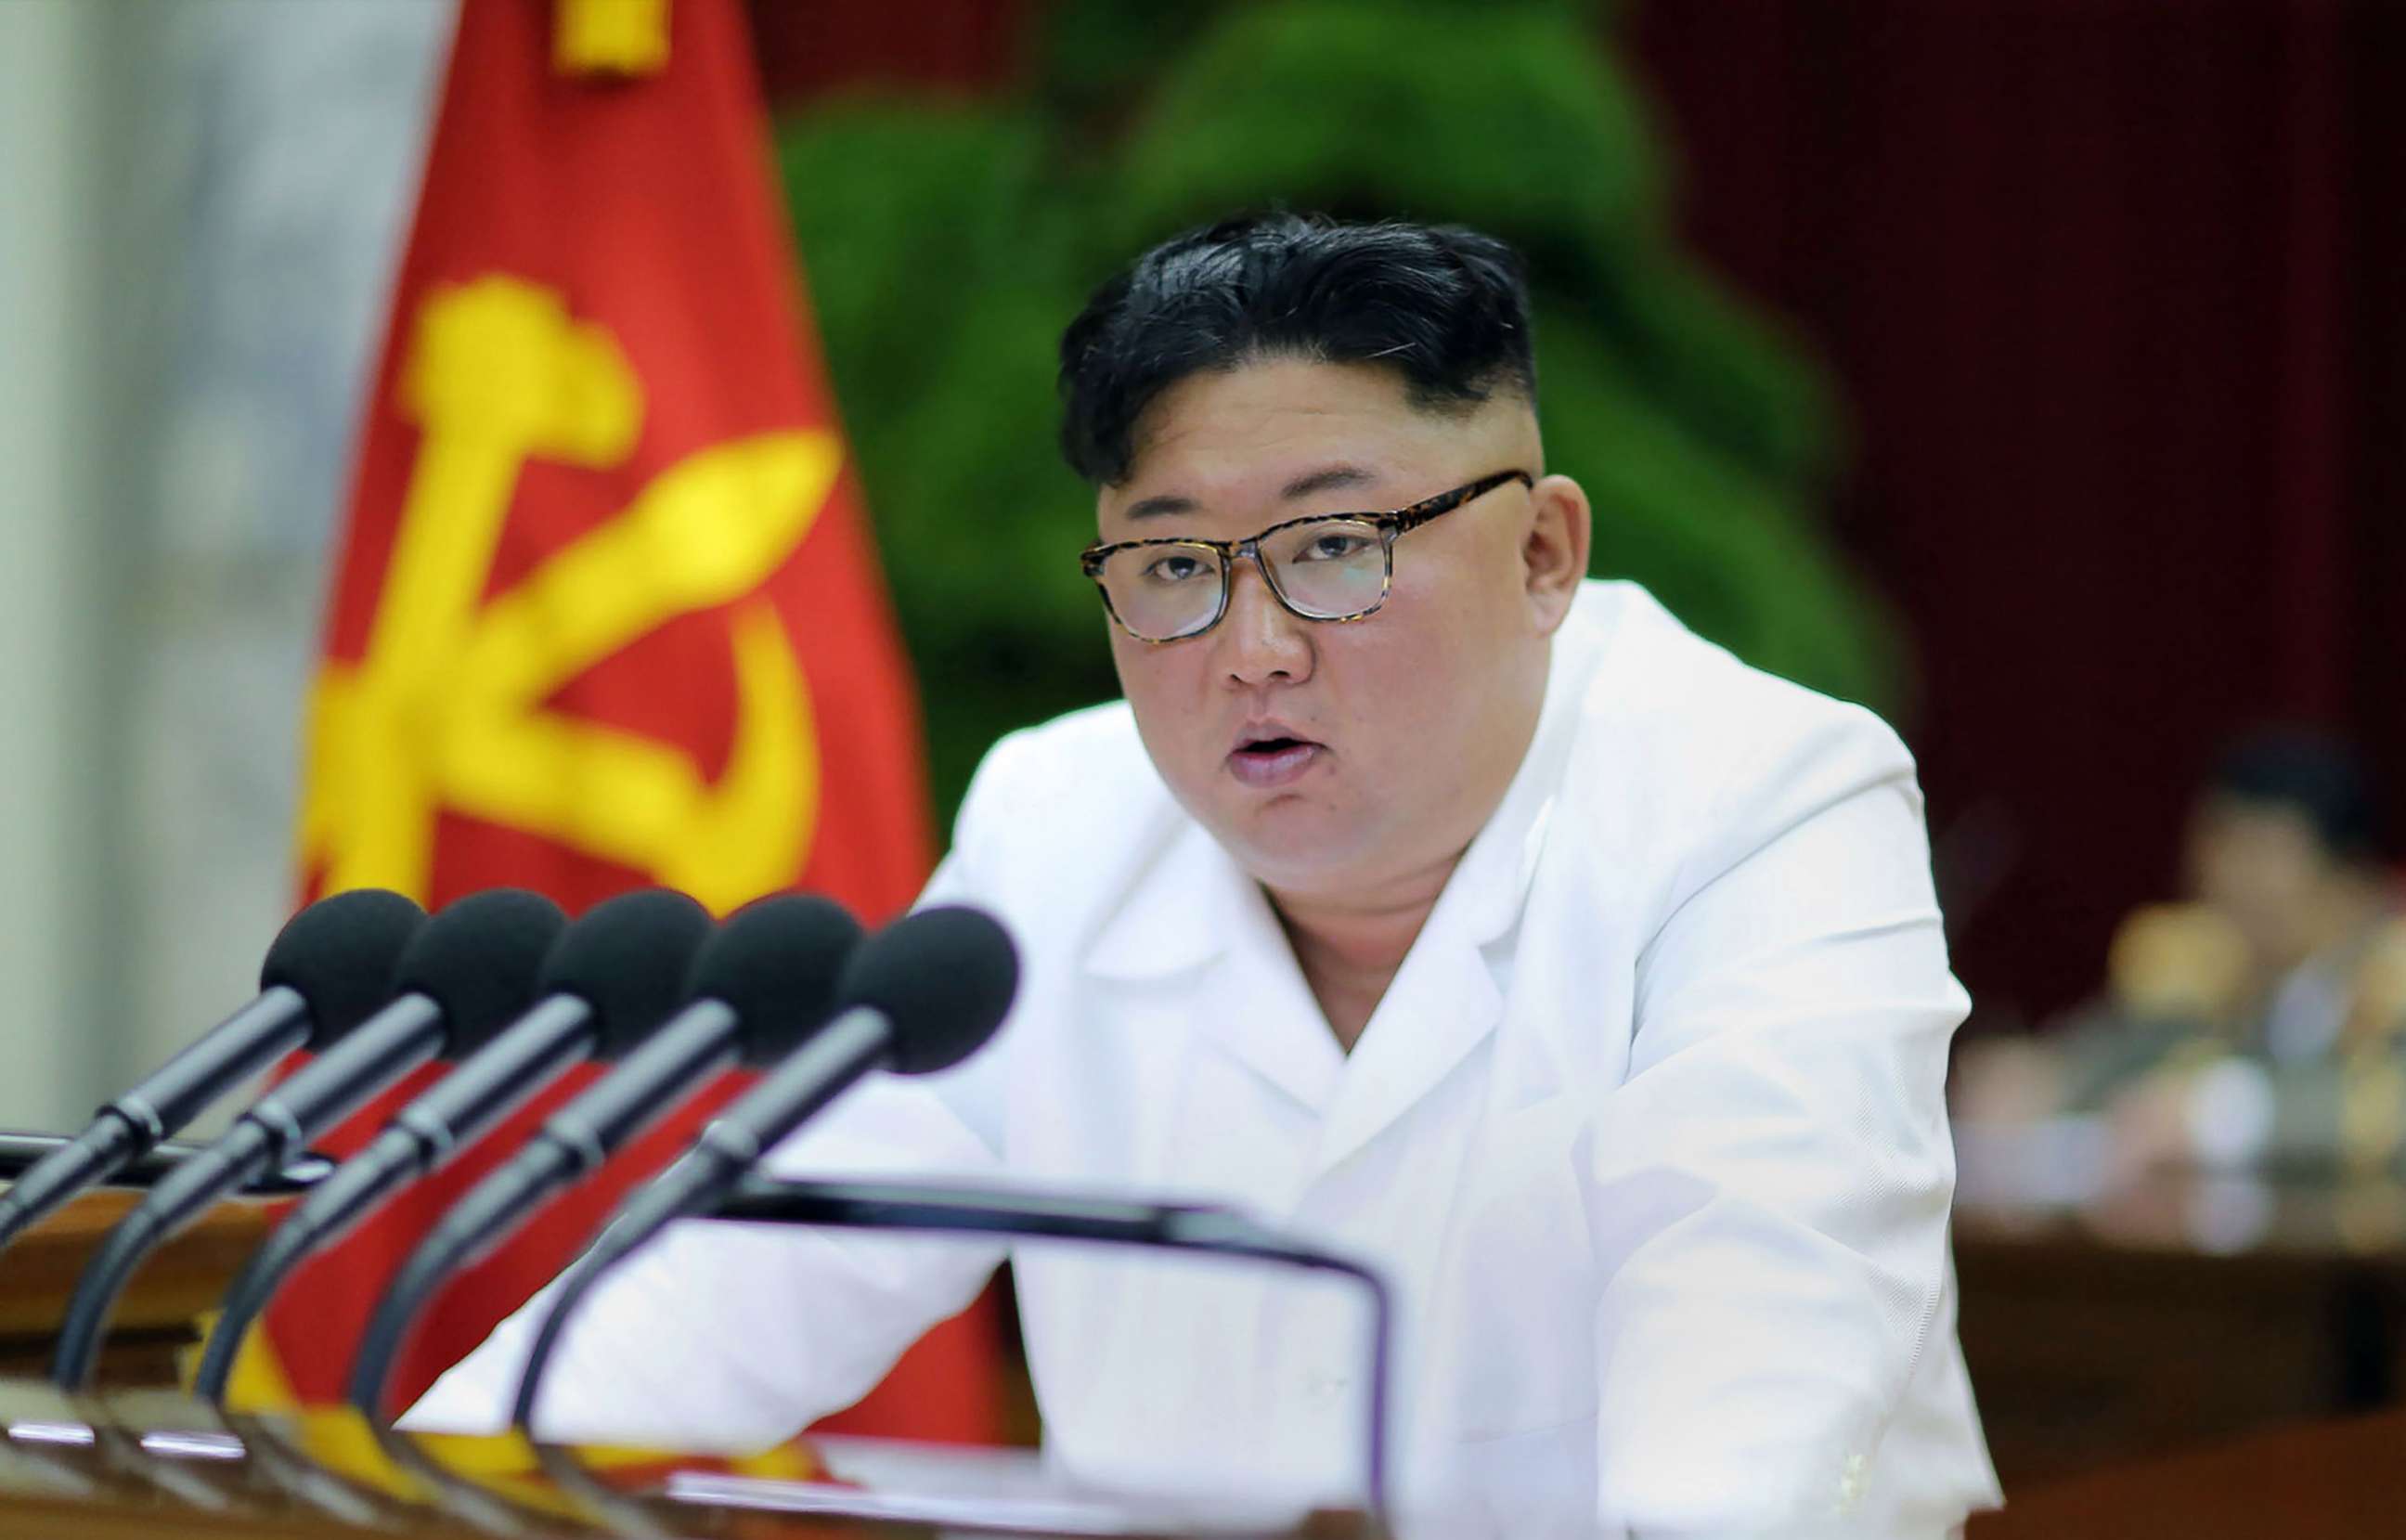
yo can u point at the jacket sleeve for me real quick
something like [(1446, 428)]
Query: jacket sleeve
[(1774, 1175), (731, 1337)]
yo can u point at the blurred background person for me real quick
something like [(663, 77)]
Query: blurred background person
[(2262, 1020)]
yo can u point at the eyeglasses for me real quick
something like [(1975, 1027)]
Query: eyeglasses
[(1326, 566)]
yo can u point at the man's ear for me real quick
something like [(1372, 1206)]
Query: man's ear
[(1554, 553)]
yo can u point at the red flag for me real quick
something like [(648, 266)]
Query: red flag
[(608, 612)]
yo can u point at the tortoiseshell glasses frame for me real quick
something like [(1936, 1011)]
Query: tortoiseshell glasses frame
[(1224, 554)]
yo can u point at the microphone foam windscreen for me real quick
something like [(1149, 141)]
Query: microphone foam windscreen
[(776, 961), (945, 976), (338, 954), (628, 958), (479, 959)]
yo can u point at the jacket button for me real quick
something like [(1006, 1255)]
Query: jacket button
[(1850, 1483)]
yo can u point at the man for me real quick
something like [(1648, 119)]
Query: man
[(2262, 1021), (1435, 903)]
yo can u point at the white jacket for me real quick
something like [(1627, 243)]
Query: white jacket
[(1647, 1134)]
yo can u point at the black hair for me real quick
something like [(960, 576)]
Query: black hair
[(2312, 773), (1446, 307)]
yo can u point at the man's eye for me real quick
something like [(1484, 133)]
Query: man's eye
[(1334, 546), (1174, 568)]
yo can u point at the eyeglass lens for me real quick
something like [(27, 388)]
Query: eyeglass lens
[(1327, 569)]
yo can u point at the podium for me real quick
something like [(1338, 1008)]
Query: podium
[(155, 1320), (136, 1460), (152, 1465)]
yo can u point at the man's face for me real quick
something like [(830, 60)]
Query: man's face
[(1333, 758), (2263, 865)]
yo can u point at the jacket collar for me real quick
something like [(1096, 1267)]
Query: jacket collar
[(1181, 909), (1194, 932)]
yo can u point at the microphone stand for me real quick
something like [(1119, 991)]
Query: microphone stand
[(20, 1152), (972, 1210), (485, 1511), (288, 1468), (626, 1517)]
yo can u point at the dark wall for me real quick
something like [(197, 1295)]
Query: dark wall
[(968, 45), (2113, 290)]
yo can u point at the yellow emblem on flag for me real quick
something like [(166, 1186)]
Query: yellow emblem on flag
[(448, 708), (610, 37)]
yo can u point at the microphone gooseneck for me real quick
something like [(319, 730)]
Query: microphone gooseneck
[(609, 981), (327, 970), (921, 997), (466, 970), (782, 954)]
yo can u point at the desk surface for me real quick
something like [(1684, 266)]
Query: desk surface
[(2109, 1326), (2341, 1479), (146, 1465)]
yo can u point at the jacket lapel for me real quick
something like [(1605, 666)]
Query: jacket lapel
[(1196, 941)]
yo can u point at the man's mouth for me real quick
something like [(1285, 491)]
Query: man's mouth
[(1271, 759)]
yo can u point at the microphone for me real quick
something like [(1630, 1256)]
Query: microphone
[(327, 970), (610, 980), (920, 995), (778, 956), (468, 971)]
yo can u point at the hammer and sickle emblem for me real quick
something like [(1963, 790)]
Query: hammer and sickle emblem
[(448, 707)]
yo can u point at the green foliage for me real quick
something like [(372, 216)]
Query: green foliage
[(948, 243)]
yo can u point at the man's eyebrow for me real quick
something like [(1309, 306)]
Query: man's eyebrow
[(1325, 480)]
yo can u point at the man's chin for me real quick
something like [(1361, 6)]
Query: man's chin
[(1295, 848)]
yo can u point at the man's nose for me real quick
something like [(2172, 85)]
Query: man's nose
[(1259, 639)]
